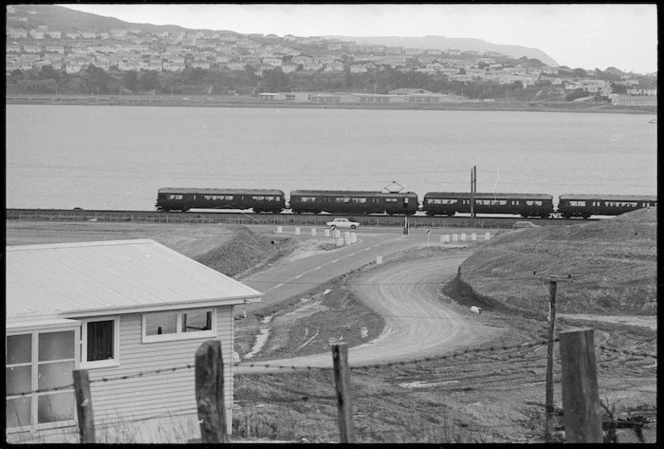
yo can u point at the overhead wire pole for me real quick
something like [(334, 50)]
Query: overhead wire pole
[(553, 288), (473, 190)]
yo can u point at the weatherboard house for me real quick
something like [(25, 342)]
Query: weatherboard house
[(130, 312)]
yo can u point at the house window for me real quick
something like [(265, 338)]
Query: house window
[(179, 325), (39, 381), (100, 342)]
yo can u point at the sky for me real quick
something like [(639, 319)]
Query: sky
[(585, 36)]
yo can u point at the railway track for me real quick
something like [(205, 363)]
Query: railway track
[(284, 219)]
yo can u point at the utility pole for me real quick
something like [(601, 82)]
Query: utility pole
[(473, 190), (553, 288)]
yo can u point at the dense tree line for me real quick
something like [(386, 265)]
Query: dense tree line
[(92, 80)]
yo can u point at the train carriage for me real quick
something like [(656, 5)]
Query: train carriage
[(572, 205), (183, 199), (524, 204), (353, 202)]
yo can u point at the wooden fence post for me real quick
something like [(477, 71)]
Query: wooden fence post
[(210, 393), (86, 426), (582, 412), (553, 286), (342, 386)]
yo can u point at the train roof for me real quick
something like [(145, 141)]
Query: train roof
[(351, 193), (585, 196), (211, 191), (481, 195)]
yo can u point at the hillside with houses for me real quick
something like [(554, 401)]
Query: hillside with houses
[(88, 54)]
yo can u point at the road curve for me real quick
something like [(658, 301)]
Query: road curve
[(417, 323)]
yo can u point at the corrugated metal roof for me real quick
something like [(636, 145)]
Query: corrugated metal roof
[(588, 196), (65, 280), (213, 191), (480, 195), (350, 193)]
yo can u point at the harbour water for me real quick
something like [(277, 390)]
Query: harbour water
[(106, 157)]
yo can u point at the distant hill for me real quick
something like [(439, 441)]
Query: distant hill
[(445, 43), (69, 20)]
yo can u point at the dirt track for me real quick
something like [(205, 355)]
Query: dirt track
[(418, 324)]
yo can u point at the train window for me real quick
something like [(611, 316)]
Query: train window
[(577, 203), (258, 198), (390, 200), (175, 197)]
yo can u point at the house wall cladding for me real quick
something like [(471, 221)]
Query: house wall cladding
[(156, 395)]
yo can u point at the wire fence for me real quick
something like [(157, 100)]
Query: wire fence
[(448, 373), (270, 367)]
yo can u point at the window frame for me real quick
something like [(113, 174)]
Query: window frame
[(35, 363), (178, 334), (115, 361)]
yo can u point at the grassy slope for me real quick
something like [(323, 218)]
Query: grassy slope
[(299, 406), (246, 251), (612, 262)]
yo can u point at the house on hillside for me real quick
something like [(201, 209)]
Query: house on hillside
[(132, 313), (408, 91)]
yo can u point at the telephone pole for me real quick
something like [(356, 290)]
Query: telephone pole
[(473, 190), (553, 288)]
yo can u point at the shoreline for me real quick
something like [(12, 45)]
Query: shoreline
[(253, 102)]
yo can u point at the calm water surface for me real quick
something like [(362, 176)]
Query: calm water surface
[(106, 157)]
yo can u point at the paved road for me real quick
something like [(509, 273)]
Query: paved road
[(284, 281), (417, 323)]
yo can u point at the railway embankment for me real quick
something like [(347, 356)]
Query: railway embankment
[(247, 101), (611, 264)]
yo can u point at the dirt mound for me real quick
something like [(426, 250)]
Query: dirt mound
[(612, 263), (246, 251)]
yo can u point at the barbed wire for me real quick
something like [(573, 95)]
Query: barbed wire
[(42, 390), (143, 373), (395, 363), (625, 352), (406, 362)]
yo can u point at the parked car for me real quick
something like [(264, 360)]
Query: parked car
[(524, 224), (343, 223)]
